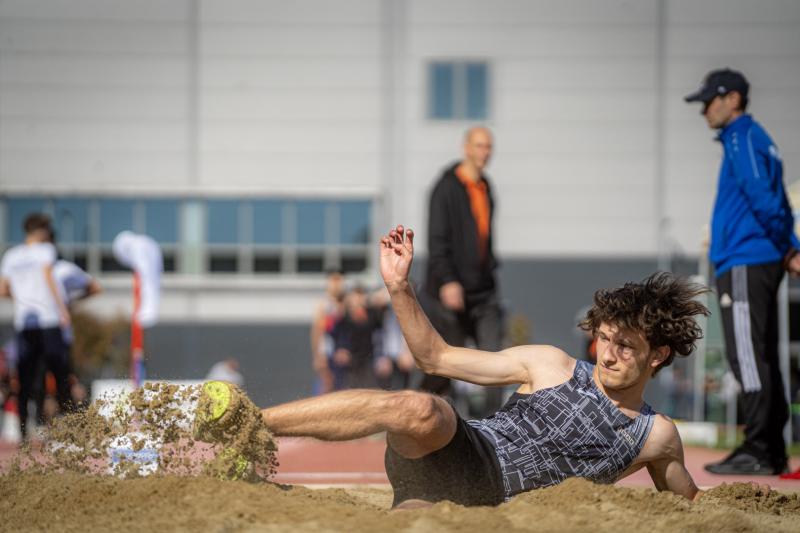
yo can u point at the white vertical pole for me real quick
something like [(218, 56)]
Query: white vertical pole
[(699, 374), (783, 349)]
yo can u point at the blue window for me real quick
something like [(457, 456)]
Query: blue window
[(18, 210), (268, 222), (222, 226), (161, 220), (476, 91), (458, 90), (115, 216), (441, 91), (354, 222), (71, 221), (311, 222)]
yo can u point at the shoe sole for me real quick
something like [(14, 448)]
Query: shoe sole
[(219, 394)]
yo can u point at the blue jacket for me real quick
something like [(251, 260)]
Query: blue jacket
[(752, 222)]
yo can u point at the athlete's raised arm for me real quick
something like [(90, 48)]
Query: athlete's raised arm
[(431, 353)]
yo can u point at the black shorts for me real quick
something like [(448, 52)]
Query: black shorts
[(465, 471)]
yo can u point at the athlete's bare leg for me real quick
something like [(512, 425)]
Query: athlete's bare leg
[(416, 423)]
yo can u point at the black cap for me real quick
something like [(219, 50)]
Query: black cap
[(720, 83)]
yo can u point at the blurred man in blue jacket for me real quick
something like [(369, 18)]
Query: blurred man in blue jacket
[(752, 242)]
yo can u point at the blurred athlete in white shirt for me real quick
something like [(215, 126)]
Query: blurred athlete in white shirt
[(26, 275)]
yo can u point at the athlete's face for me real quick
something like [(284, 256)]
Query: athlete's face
[(624, 357)]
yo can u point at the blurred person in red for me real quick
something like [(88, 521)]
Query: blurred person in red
[(327, 314)]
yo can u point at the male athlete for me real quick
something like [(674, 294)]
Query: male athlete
[(568, 418)]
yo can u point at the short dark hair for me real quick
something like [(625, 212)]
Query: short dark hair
[(662, 307), (36, 221)]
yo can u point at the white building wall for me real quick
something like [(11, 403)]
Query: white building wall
[(93, 95), (290, 96), (295, 98)]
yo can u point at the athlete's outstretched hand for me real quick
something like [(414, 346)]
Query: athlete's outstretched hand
[(397, 252)]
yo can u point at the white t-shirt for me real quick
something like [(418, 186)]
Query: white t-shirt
[(34, 304), (142, 254), (71, 280)]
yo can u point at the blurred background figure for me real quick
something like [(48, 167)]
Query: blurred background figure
[(9, 387), (588, 342), (141, 254), (328, 312), (395, 365), (26, 276), (464, 302), (226, 370), (752, 242), (73, 284), (354, 339)]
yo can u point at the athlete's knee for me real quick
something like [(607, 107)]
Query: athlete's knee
[(420, 413)]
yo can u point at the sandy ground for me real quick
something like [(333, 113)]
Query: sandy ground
[(68, 488), (75, 502)]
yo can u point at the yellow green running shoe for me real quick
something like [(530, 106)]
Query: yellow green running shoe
[(216, 410), (218, 398)]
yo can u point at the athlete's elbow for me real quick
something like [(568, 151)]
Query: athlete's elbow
[(428, 360)]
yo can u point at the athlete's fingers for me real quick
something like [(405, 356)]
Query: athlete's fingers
[(398, 234), (410, 239)]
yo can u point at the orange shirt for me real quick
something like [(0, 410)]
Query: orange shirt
[(479, 204)]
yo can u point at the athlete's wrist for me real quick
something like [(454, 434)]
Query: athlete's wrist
[(397, 287)]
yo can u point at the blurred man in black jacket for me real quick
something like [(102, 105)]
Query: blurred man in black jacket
[(460, 280)]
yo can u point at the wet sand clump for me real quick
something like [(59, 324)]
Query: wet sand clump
[(162, 429)]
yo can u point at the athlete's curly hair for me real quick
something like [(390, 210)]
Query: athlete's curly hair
[(661, 306)]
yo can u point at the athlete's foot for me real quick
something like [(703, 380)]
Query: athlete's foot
[(216, 410)]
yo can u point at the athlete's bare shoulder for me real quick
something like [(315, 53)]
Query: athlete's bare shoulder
[(547, 365)]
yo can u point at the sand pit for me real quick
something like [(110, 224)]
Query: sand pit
[(200, 485), (76, 502)]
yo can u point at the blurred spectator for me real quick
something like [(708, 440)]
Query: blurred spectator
[(26, 275), (354, 341), (227, 370), (327, 313), (394, 366), (461, 285), (73, 284), (588, 340), (752, 242)]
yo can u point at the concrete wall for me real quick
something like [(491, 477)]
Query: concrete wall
[(599, 169), (595, 149)]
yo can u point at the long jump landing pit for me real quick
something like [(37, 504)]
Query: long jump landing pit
[(74, 502)]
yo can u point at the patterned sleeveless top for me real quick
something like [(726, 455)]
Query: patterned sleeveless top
[(571, 430)]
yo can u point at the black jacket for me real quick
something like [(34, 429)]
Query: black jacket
[(453, 253)]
